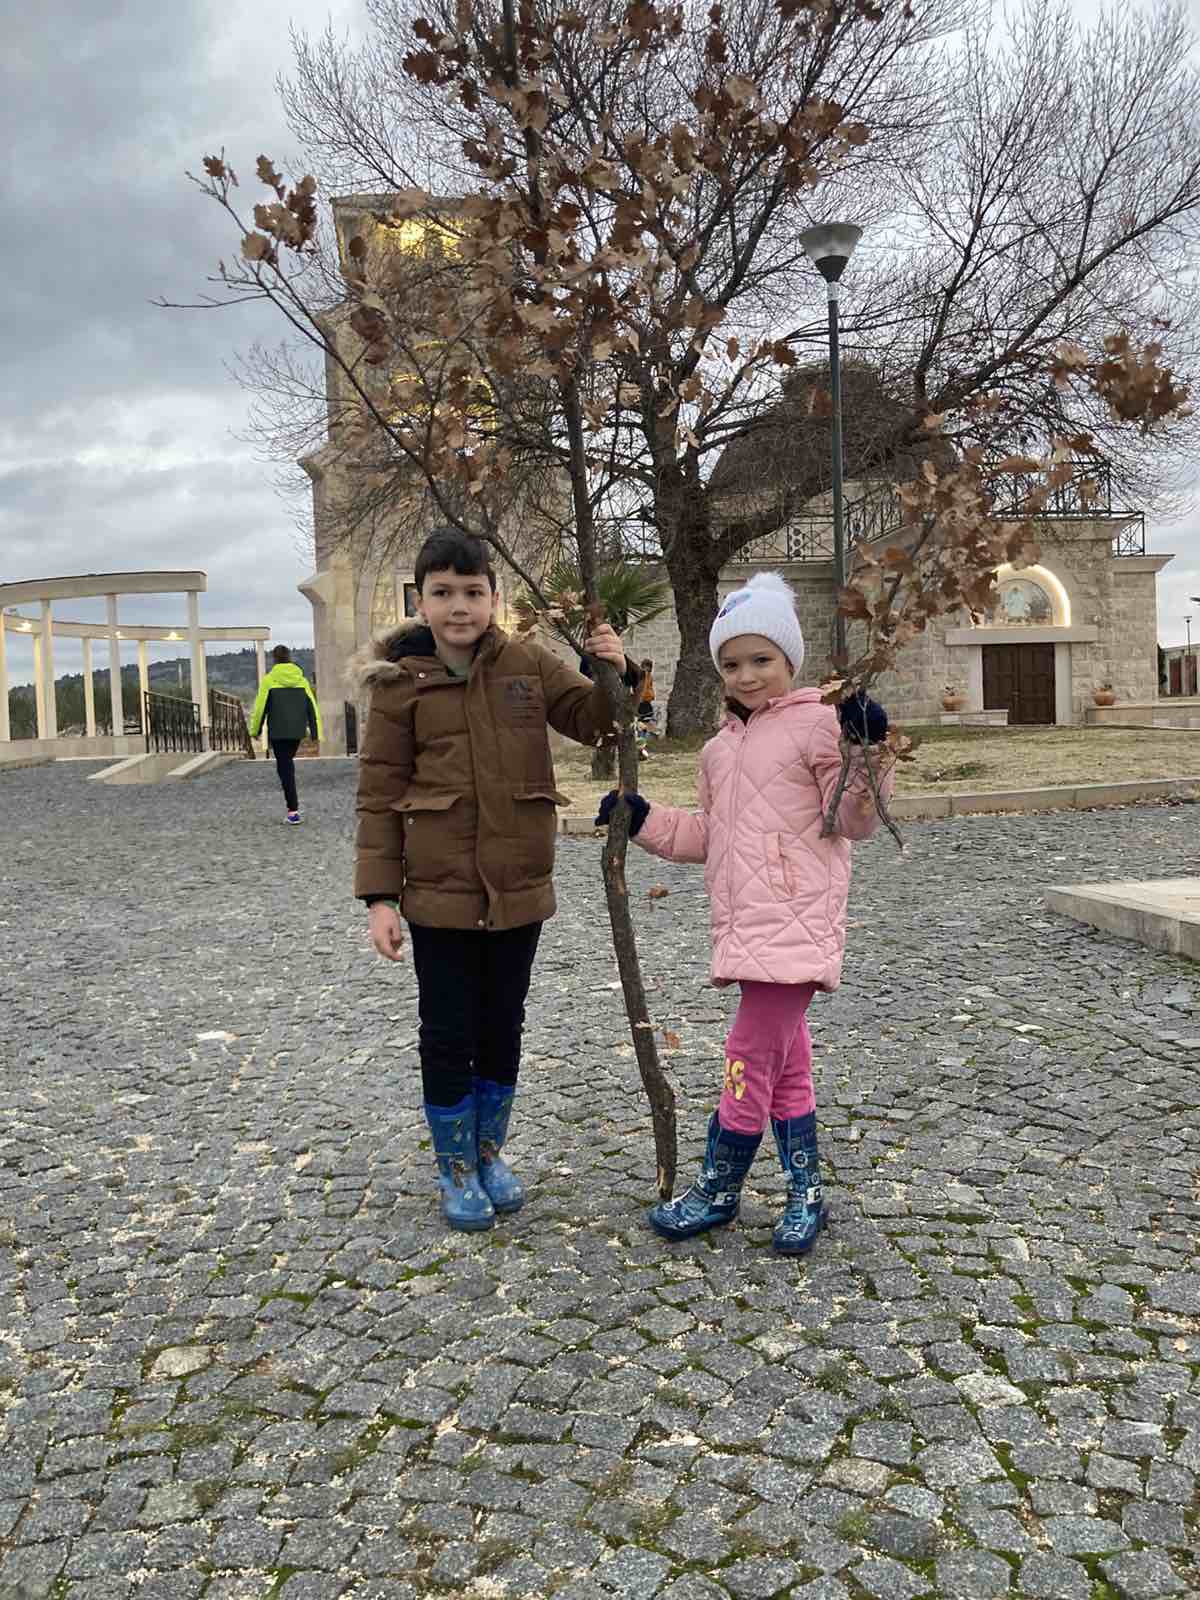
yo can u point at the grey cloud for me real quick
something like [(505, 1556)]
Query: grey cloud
[(116, 418)]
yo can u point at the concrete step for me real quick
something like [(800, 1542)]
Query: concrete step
[(1163, 914), (141, 769), (207, 761)]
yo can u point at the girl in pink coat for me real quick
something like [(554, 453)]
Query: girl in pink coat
[(778, 896)]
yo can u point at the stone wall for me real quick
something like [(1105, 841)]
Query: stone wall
[(1114, 595)]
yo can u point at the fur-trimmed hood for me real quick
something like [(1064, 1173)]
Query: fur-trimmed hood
[(381, 661)]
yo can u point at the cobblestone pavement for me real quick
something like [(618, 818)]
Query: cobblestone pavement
[(239, 1356)]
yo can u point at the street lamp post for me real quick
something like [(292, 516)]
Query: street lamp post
[(829, 247)]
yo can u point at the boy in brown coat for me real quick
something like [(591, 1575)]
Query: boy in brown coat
[(456, 831)]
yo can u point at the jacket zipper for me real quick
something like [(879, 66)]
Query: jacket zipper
[(737, 781), (744, 738)]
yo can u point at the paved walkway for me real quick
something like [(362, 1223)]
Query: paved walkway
[(240, 1357)]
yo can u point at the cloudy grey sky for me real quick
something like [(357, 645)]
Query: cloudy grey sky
[(118, 420)]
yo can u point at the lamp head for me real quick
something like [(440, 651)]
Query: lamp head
[(829, 246)]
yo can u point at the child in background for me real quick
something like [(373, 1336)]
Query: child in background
[(286, 702), (645, 710), (778, 894)]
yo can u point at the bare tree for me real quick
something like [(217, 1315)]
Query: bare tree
[(724, 239)]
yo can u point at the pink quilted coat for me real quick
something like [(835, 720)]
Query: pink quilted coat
[(777, 889)]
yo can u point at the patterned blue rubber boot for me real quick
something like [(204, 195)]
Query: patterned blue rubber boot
[(714, 1197), (493, 1107), (804, 1212), (465, 1205)]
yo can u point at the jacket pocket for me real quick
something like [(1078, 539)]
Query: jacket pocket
[(426, 802), (543, 792), (432, 822), (790, 865)]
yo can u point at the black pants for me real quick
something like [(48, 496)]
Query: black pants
[(285, 766), (471, 988)]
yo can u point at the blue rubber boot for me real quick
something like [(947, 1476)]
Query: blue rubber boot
[(493, 1107), (714, 1197), (804, 1212), (464, 1204)]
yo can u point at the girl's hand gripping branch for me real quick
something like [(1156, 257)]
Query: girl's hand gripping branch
[(863, 721), (639, 809)]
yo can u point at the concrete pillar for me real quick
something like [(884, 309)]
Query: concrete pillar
[(89, 690), (48, 672), (39, 686), (1064, 696), (143, 682), (199, 671), (5, 729), (114, 668), (260, 662)]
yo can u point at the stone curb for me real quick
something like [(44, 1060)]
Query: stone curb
[(929, 807), (19, 763), (1080, 797)]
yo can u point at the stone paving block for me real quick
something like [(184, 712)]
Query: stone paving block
[(890, 1442), (182, 1584), (313, 1586), (889, 1580), (102, 1555), (906, 1537), (1044, 1576), (634, 1574), (1073, 1536), (759, 1577), (693, 1587), (1142, 1575), (973, 1575), (945, 1466)]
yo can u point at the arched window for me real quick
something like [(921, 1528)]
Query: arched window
[(1028, 597)]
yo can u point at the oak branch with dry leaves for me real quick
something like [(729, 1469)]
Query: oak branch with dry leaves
[(944, 556), (557, 317)]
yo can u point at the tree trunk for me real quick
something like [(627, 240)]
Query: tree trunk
[(604, 763), (696, 693)]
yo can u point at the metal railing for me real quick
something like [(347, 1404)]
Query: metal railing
[(874, 515), (172, 725), (227, 728)]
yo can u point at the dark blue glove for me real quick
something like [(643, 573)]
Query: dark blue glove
[(639, 808), (863, 721)]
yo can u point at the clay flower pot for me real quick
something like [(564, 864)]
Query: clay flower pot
[(1104, 697), (953, 702)]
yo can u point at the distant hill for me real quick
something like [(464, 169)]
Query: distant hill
[(234, 672)]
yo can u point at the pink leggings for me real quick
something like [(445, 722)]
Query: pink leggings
[(768, 1057)]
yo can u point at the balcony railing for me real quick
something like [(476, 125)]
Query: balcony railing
[(875, 515)]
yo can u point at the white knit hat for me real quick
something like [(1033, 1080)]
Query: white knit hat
[(766, 606)]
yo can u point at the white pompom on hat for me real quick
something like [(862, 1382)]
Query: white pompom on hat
[(766, 606)]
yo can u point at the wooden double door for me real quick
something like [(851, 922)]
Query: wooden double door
[(1019, 679)]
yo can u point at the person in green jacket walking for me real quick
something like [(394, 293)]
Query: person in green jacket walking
[(288, 706)]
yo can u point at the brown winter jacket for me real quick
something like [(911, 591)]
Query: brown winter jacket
[(456, 790)]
